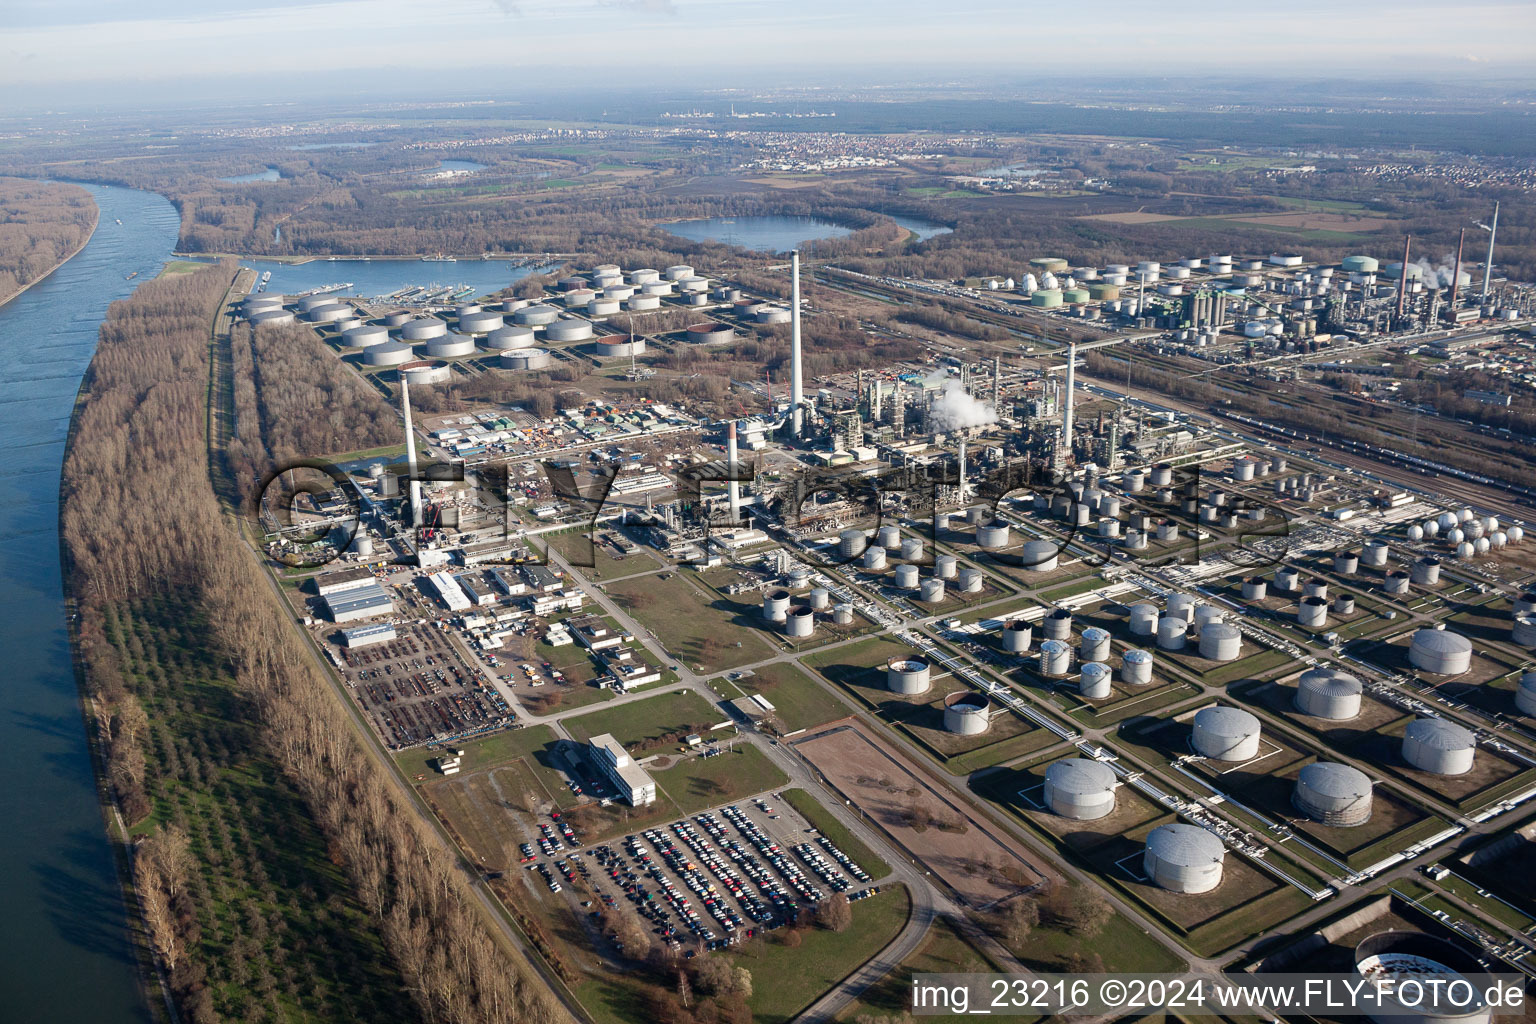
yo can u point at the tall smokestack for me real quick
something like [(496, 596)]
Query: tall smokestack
[(997, 383), (796, 395), (1456, 273), (962, 471), (1493, 231), (1402, 279), (734, 489), (1066, 399), (410, 453)]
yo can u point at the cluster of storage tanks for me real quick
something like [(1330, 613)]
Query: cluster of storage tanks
[(1466, 534), (511, 327), (799, 620), (947, 575)]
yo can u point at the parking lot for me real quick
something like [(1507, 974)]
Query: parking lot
[(416, 688), (707, 881)]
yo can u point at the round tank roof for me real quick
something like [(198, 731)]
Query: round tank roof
[(966, 700), (1184, 845), (1439, 734), (1331, 779), (1079, 775), (1330, 682), (1442, 641)]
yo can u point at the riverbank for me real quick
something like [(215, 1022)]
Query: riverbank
[(299, 261), (95, 223)]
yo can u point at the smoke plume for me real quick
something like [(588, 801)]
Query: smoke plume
[(954, 409), (1440, 276)]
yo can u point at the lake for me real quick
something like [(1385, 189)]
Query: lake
[(780, 234), (383, 277), (270, 174), (64, 930), (460, 166)]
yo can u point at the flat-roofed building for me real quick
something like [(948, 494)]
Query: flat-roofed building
[(343, 580), (632, 782), (448, 589), (366, 602), (476, 589), (363, 636)]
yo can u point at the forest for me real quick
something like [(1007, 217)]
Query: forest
[(276, 870), (42, 224)]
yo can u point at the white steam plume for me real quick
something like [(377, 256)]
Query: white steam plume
[(954, 409), (1439, 276)]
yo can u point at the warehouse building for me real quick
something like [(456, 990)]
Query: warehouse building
[(364, 636), (449, 591), (632, 782), (365, 602), (344, 579)]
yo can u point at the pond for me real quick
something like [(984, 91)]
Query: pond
[(779, 234), (270, 174)]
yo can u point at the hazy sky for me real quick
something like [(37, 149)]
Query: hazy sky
[(115, 43)]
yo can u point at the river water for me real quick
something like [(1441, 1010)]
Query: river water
[(63, 930)]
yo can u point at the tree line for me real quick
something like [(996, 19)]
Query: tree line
[(176, 616), (41, 224)]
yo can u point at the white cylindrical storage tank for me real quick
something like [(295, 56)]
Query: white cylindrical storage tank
[(1328, 693), (888, 537), (1109, 528), (1109, 507), (618, 291), (773, 315), (992, 536), (1515, 534), (526, 359), (513, 305), (423, 372), (1344, 604), (310, 302), (1435, 745), (1525, 603), (1183, 858), (329, 314), (1221, 641), (273, 316), (1181, 606), (362, 337), (906, 577), (1143, 619), (932, 590), (1333, 794), (1312, 611), (506, 338), (1135, 540), (424, 329), (657, 288), (1440, 652), (966, 713), (602, 306), (391, 353), (946, 567), (851, 543), (1094, 645), (800, 622), (874, 558), (1057, 624), (693, 285), (1375, 553), (1080, 789), (480, 322), (1170, 633), (1314, 587), (1039, 555), (907, 675), (1167, 529), (820, 598), (1525, 694), (1162, 475), (1225, 734), (842, 614), (535, 316), (678, 272), (644, 275), (1346, 563), (579, 298), (612, 346), (1207, 615), (1395, 582), (1094, 681), (1136, 667), (568, 330), (911, 548), (1055, 657), (641, 303), (776, 605), (1016, 636), (1242, 468), (1134, 480), (1287, 579), (1255, 588), (1523, 632), (450, 346), (709, 333)]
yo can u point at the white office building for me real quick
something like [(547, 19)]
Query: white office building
[(632, 782)]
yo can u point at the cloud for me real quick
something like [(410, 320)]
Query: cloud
[(650, 8)]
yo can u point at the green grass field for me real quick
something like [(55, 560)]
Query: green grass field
[(799, 700), (709, 633), (695, 783), (498, 748), (785, 981), (640, 723), (944, 951), (820, 818)]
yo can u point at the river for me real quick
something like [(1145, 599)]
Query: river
[(67, 955)]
